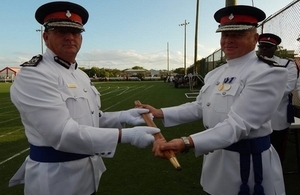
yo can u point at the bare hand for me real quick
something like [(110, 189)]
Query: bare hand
[(157, 113), (161, 145)]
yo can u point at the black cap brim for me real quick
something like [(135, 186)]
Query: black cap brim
[(239, 10), (273, 36), (60, 6)]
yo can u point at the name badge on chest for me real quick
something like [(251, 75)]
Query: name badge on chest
[(71, 85)]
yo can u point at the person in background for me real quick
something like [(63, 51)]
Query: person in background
[(60, 111), (280, 121), (236, 104), (297, 90)]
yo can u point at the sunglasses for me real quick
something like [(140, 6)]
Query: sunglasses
[(64, 31)]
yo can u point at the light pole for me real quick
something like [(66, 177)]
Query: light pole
[(184, 24), (168, 58), (41, 30), (196, 38)]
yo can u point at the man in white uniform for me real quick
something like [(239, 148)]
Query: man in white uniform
[(236, 104), (60, 110), (280, 121)]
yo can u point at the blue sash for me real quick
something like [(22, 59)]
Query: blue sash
[(50, 155), (246, 148)]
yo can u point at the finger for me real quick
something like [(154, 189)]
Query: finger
[(159, 153), (142, 110), (152, 130), (156, 145), (168, 146)]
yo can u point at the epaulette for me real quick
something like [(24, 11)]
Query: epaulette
[(35, 60), (269, 61), (288, 60)]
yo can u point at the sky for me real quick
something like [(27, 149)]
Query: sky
[(121, 34)]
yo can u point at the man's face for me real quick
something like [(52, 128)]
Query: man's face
[(266, 49), (64, 42), (236, 44)]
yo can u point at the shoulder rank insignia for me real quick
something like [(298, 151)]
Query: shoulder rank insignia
[(269, 61), (35, 60)]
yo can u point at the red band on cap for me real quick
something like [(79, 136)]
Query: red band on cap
[(268, 39), (63, 16), (237, 19)]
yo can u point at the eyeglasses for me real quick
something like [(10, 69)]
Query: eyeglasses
[(265, 46), (63, 31)]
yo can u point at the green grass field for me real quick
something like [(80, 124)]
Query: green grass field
[(132, 171)]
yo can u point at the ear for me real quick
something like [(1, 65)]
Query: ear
[(256, 37), (45, 36)]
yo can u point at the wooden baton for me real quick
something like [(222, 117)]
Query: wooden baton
[(168, 153)]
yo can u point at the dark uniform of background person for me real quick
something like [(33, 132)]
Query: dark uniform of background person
[(297, 90), (60, 111), (236, 104), (280, 121)]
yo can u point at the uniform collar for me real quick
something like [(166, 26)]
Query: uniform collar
[(242, 60), (60, 61), (64, 63)]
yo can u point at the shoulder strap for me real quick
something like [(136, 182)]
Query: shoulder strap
[(35, 60), (269, 61), (287, 62)]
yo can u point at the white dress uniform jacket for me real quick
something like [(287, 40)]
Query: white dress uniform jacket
[(241, 112), (279, 119), (59, 107)]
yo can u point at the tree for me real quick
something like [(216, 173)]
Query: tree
[(284, 53), (179, 70), (137, 68)]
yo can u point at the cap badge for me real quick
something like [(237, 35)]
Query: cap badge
[(68, 14), (231, 16)]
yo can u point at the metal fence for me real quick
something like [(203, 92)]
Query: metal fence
[(285, 23)]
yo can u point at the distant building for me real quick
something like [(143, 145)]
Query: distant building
[(154, 73), (9, 73), (134, 72)]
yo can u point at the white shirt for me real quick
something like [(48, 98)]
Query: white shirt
[(241, 112), (59, 107), (279, 119)]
